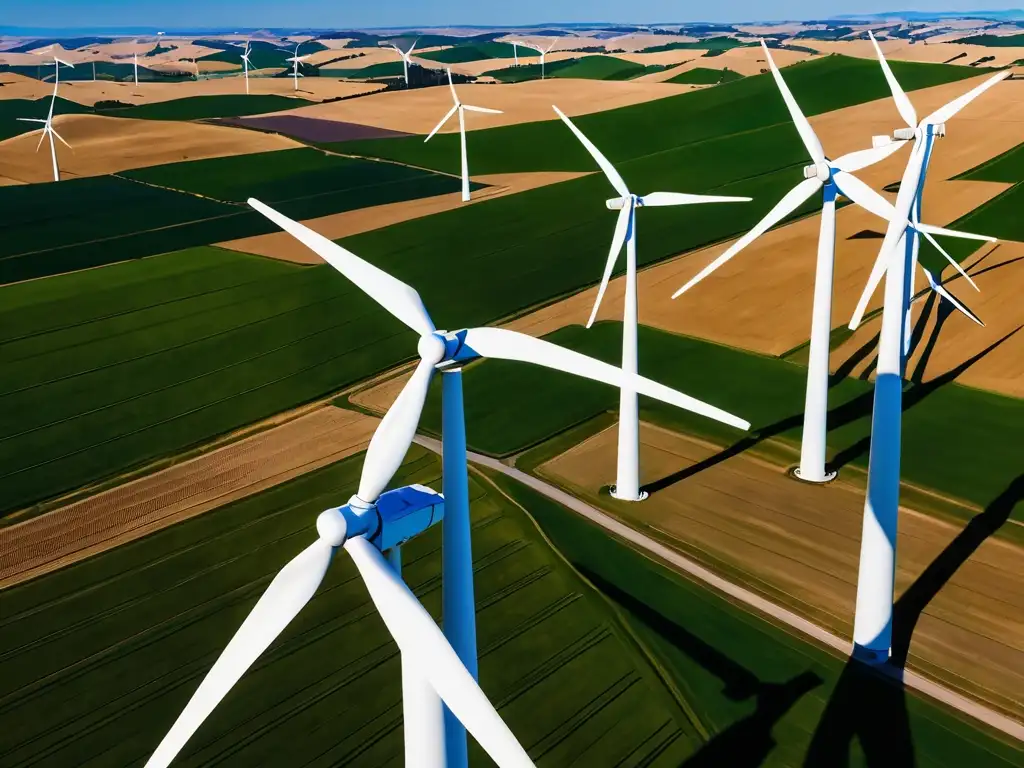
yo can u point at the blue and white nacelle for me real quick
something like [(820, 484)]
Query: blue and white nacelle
[(397, 516)]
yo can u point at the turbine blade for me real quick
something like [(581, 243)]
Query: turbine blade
[(394, 434), (451, 85), (509, 345), (943, 114), (906, 109), (54, 132), (444, 120), (950, 259), (427, 650), (485, 110), (287, 594), (396, 297), (789, 203), (602, 161), (897, 226), (681, 198), (939, 289), (31, 120), (855, 161), (864, 196), (42, 137), (803, 127), (621, 229), (954, 233)]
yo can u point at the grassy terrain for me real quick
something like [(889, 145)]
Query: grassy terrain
[(12, 109), (585, 68), (107, 652), (1000, 216), (820, 86), (202, 107), (383, 69), (993, 41), (705, 76), (765, 697), (537, 404), (722, 43), (459, 54), (262, 55)]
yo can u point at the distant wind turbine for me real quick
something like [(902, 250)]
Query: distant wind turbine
[(48, 129), (406, 58), (295, 65), (543, 52), (461, 109), (245, 62), (136, 70)]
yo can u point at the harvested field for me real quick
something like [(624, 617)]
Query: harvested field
[(281, 245), (312, 128), (937, 53), (527, 57), (138, 508), (418, 111), (105, 145), (745, 61), (799, 544)]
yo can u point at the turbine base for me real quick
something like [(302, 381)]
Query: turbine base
[(872, 656), (828, 478), (611, 491)]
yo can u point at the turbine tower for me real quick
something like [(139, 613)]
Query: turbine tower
[(461, 109), (245, 64), (295, 65), (542, 51), (834, 178), (135, 58), (627, 482), (447, 352), (406, 58), (872, 624), (48, 129)]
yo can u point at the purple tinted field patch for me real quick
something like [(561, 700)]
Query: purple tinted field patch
[(312, 128)]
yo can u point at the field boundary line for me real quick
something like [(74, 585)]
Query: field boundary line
[(740, 594)]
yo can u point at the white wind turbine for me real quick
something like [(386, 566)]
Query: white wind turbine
[(461, 109), (446, 353), (406, 58), (135, 57), (295, 65), (542, 51), (245, 63), (872, 624), (48, 129), (834, 178), (627, 483)]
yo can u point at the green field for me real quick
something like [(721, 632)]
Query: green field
[(585, 68), (537, 404), (1000, 216), (723, 43), (104, 654), (820, 86), (262, 55), (705, 76), (12, 109), (993, 41), (105, 70), (766, 698), (459, 54), (203, 107), (384, 69)]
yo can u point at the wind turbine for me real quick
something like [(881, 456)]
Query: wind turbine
[(245, 62), (406, 58), (48, 129), (834, 178), (515, 52), (371, 524), (461, 109), (872, 623), (136, 60), (194, 64), (447, 352), (543, 52), (627, 483), (295, 65)]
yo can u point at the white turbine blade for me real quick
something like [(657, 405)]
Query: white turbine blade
[(451, 85), (954, 233), (897, 226), (54, 132), (394, 434), (950, 259), (32, 120), (621, 229), (655, 199), (392, 294), (937, 287), (485, 110), (509, 345), (906, 109), (412, 47), (864, 196), (943, 114), (65, 63), (855, 161), (287, 594), (789, 203), (803, 127), (427, 650), (42, 137), (602, 161), (444, 120)]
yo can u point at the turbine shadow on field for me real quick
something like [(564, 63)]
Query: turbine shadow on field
[(857, 408), (748, 742), (933, 579), (869, 706)]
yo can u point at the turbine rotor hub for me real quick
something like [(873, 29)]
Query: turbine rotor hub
[(820, 171), (432, 348), (332, 526)]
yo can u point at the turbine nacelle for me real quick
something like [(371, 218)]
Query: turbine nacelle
[(820, 171), (618, 203), (397, 516), (904, 134)]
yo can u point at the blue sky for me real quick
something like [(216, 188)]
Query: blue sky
[(350, 13)]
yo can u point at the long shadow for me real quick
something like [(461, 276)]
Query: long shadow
[(846, 367), (917, 334), (944, 312), (870, 707), (933, 579), (748, 742)]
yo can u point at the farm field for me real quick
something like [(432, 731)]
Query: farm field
[(458, 54), (538, 404), (765, 697), (704, 76), (204, 107), (126, 637), (380, 69), (12, 109), (800, 544), (585, 68)]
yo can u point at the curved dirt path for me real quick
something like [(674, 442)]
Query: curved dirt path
[(744, 596)]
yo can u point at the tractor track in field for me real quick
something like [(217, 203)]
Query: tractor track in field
[(739, 594)]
